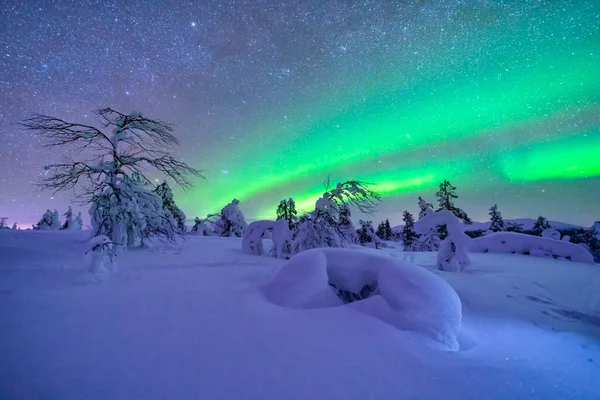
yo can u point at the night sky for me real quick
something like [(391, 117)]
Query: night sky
[(500, 97)]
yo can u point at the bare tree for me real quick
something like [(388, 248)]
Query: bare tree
[(111, 163)]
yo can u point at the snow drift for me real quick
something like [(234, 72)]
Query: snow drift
[(511, 242), (405, 296)]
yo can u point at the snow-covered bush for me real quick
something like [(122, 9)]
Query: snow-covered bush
[(540, 225), (512, 242), (14, 227), (453, 251), (232, 221), (55, 224), (497, 223), (46, 222), (401, 294), (101, 257), (203, 227), (280, 234), (551, 233), (315, 231)]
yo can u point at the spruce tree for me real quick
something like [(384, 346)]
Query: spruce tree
[(540, 225), (409, 235), (381, 231), (389, 234), (497, 224), (55, 220), (446, 196), (166, 195)]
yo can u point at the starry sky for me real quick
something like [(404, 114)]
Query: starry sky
[(269, 98)]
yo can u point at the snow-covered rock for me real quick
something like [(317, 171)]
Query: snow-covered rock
[(511, 242), (412, 299)]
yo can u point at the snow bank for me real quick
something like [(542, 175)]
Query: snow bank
[(411, 298), (511, 242)]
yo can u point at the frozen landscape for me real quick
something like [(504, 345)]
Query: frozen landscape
[(195, 320)]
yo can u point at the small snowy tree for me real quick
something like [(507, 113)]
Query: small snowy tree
[(497, 224), (68, 219), (166, 194), (287, 210), (366, 234), (3, 222), (110, 161), (55, 224), (321, 227), (389, 234), (446, 196), (14, 227), (409, 235), (425, 208), (46, 222), (452, 254), (345, 224), (514, 227), (540, 225), (232, 221), (78, 224), (380, 231)]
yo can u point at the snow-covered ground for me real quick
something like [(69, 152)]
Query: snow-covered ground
[(193, 321)]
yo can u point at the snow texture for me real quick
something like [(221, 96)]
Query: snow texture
[(411, 298), (511, 242)]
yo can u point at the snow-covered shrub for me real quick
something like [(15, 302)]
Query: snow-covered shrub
[(232, 221), (202, 227), (540, 225), (512, 242), (101, 257), (280, 234), (453, 251), (14, 227), (46, 222), (401, 294), (314, 232), (55, 220), (551, 233), (69, 220)]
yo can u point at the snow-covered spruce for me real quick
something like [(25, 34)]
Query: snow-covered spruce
[(497, 223), (367, 236), (512, 242), (48, 221), (232, 221), (403, 295), (453, 251), (166, 194), (280, 234)]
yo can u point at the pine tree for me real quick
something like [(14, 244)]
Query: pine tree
[(381, 230), (540, 225), (409, 235), (497, 224), (68, 218), (446, 196), (389, 234), (166, 194), (366, 233)]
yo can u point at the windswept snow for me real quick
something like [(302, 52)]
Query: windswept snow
[(411, 298), (192, 321)]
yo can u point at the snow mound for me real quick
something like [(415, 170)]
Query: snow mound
[(405, 296), (512, 242)]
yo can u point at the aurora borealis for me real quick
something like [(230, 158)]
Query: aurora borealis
[(501, 98)]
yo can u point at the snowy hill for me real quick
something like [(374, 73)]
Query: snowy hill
[(191, 321)]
